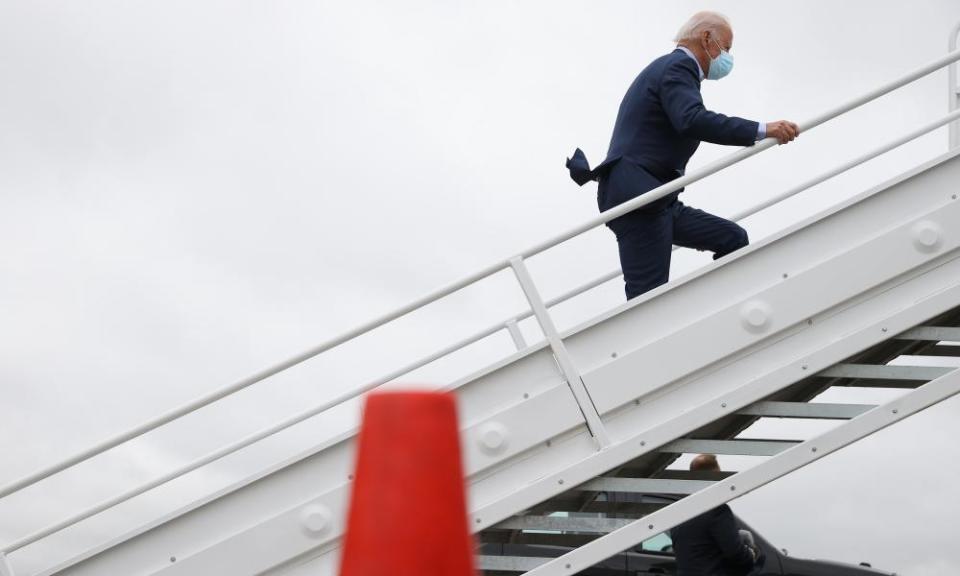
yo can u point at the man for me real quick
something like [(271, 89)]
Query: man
[(661, 122), (711, 544)]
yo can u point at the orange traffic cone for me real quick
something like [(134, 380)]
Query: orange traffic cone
[(408, 512)]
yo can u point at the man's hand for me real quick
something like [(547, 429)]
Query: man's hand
[(782, 130)]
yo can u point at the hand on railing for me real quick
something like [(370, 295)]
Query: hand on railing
[(783, 130)]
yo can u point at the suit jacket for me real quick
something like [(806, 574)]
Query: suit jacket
[(661, 122), (710, 545)]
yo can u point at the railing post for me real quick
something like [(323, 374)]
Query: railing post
[(954, 87), (518, 340), (570, 373), (5, 568)]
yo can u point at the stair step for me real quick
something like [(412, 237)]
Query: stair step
[(816, 410), (935, 333), (509, 563), (728, 447), (534, 538), (563, 524), (690, 475), (644, 485), (886, 372), (616, 503)]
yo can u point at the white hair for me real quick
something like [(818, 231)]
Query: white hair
[(702, 22)]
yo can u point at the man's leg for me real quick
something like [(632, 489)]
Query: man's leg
[(693, 228), (645, 240)]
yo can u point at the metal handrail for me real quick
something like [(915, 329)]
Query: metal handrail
[(646, 198), (954, 87)]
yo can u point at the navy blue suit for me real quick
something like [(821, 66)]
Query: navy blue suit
[(661, 122), (710, 545)]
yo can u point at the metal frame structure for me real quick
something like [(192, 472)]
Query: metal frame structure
[(582, 404), (954, 88), (744, 482)]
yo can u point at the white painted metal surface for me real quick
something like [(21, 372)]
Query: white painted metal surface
[(528, 469), (754, 322)]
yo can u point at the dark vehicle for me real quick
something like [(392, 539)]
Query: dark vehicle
[(654, 557)]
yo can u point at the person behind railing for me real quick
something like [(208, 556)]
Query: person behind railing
[(711, 544), (661, 122)]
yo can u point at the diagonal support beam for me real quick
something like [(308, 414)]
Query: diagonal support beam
[(565, 362)]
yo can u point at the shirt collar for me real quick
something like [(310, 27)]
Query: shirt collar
[(694, 58)]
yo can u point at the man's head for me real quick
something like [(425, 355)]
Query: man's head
[(708, 35), (705, 463)]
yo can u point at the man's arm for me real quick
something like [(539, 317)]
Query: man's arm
[(724, 531), (681, 100)]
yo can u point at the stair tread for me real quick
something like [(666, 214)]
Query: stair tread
[(563, 523), (886, 372), (739, 446), (815, 410), (645, 485)]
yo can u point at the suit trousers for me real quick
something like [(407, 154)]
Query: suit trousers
[(646, 236), (646, 239)]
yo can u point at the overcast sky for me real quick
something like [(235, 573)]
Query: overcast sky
[(191, 191)]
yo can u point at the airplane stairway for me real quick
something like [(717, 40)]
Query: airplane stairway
[(568, 442), (634, 491)]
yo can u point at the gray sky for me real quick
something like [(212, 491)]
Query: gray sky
[(190, 191)]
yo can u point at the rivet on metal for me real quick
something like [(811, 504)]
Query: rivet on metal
[(723, 405), (173, 559), (804, 367), (650, 526), (643, 443), (479, 520), (613, 354), (732, 488), (568, 566), (785, 274), (636, 402), (894, 410), (810, 322), (493, 437), (525, 395), (755, 316), (814, 449), (549, 443), (560, 481), (883, 329), (314, 520), (927, 236), (350, 477), (954, 196)]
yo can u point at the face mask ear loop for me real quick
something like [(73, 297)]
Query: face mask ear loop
[(718, 46)]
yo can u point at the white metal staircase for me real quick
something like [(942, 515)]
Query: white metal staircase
[(566, 439)]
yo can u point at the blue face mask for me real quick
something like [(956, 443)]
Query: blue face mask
[(721, 65)]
